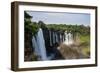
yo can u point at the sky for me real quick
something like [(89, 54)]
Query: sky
[(60, 17)]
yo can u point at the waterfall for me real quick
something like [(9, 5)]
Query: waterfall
[(68, 38), (35, 46), (38, 42), (56, 38), (60, 38), (39, 45)]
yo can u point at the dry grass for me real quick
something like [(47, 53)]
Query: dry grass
[(86, 52), (69, 52)]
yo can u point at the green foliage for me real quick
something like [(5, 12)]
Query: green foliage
[(32, 28), (35, 28), (27, 22), (34, 57), (26, 15), (85, 44), (85, 39), (70, 28)]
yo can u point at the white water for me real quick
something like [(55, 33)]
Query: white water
[(61, 38), (56, 38), (39, 45), (35, 45), (68, 38)]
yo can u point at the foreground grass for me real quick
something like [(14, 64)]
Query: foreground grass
[(78, 50), (85, 45)]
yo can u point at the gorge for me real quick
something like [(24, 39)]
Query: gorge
[(56, 38)]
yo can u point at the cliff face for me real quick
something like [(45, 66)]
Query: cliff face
[(27, 45)]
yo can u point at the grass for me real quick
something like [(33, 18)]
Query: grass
[(75, 51), (85, 44), (69, 51), (85, 38), (86, 51)]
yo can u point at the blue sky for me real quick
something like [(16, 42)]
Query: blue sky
[(60, 17)]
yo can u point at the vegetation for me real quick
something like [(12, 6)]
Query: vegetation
[(85, 44), (81, 29), (31, 28)]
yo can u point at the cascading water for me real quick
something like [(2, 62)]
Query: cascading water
[(68, 38), (39, 45), (60, 38), (56, 38), (35, 46)]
